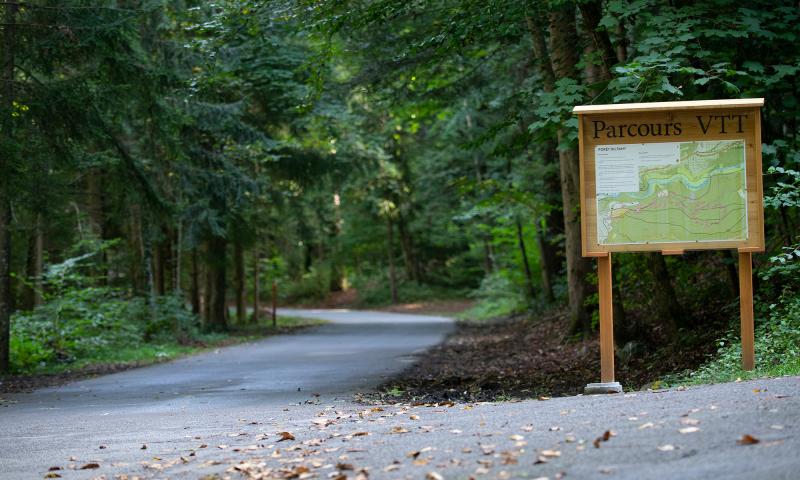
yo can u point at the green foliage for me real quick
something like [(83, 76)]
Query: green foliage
[(777, 348), (497, 297)]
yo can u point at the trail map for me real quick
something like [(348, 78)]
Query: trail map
[(671, 192)]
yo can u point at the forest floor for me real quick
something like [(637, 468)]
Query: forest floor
[(529, 357), (150, 354)]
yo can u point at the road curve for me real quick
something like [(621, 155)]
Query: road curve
[(109, 418)]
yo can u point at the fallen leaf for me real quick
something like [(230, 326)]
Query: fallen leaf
[(52, 469), (433, 476), (414, 417), (399, 429), (666, 448), (747, 440), (285, 436), (90, 466), (690, 421), (646, 425), (52, 475), (689, 430), (551, 453), (516, 437), (344, 466), (391, 468)]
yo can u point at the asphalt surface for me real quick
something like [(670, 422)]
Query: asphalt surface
[(223, 413), (158, 406)]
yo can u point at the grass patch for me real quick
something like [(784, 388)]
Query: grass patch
[(777, 349), (107, 360)]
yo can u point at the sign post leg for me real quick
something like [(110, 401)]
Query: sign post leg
[(746, 309), (604, 283)]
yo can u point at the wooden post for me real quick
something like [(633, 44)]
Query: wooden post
[(746, 308), (274, 304), (604, 280)]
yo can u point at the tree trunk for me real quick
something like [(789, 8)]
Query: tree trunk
[(622, 42), (390, 256), (238, 261), (256, 287), (32, 292), (669, 312), (195, 284), (554, 221), (216, 308), (592, 13), (564, 59), (732, 273), (488, 258), (177, 259), (525, 265), (149, 275), (544, 263), (157, 271), (6, 106), (407, 245)]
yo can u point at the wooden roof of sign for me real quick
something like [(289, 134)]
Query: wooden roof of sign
[(661, 106)]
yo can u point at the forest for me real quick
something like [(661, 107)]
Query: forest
[(164, 163)]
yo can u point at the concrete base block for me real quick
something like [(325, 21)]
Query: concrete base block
[(602, 388)]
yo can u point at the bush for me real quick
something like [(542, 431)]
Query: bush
[(497, 297), (80, 321), (374, 290), (312, 286)]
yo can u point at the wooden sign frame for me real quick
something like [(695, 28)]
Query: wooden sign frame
[(618, 133)]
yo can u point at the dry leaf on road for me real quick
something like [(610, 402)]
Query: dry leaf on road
[(747, 440)]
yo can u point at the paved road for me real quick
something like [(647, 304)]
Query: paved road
[(202, 417), (159, 405)]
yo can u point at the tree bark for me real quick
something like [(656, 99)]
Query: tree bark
[(32, 296), (554, 220), (256, 287), (525, 265), (7, 125), (216, 307), (195, 284), (390, 256), (669, 311), (564, 59), (592, 13), (733, 274), (238, 261), (407, 245)]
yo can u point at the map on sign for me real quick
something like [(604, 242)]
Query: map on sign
[(671, 192)]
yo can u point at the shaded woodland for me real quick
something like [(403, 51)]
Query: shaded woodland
[(164, 162)]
